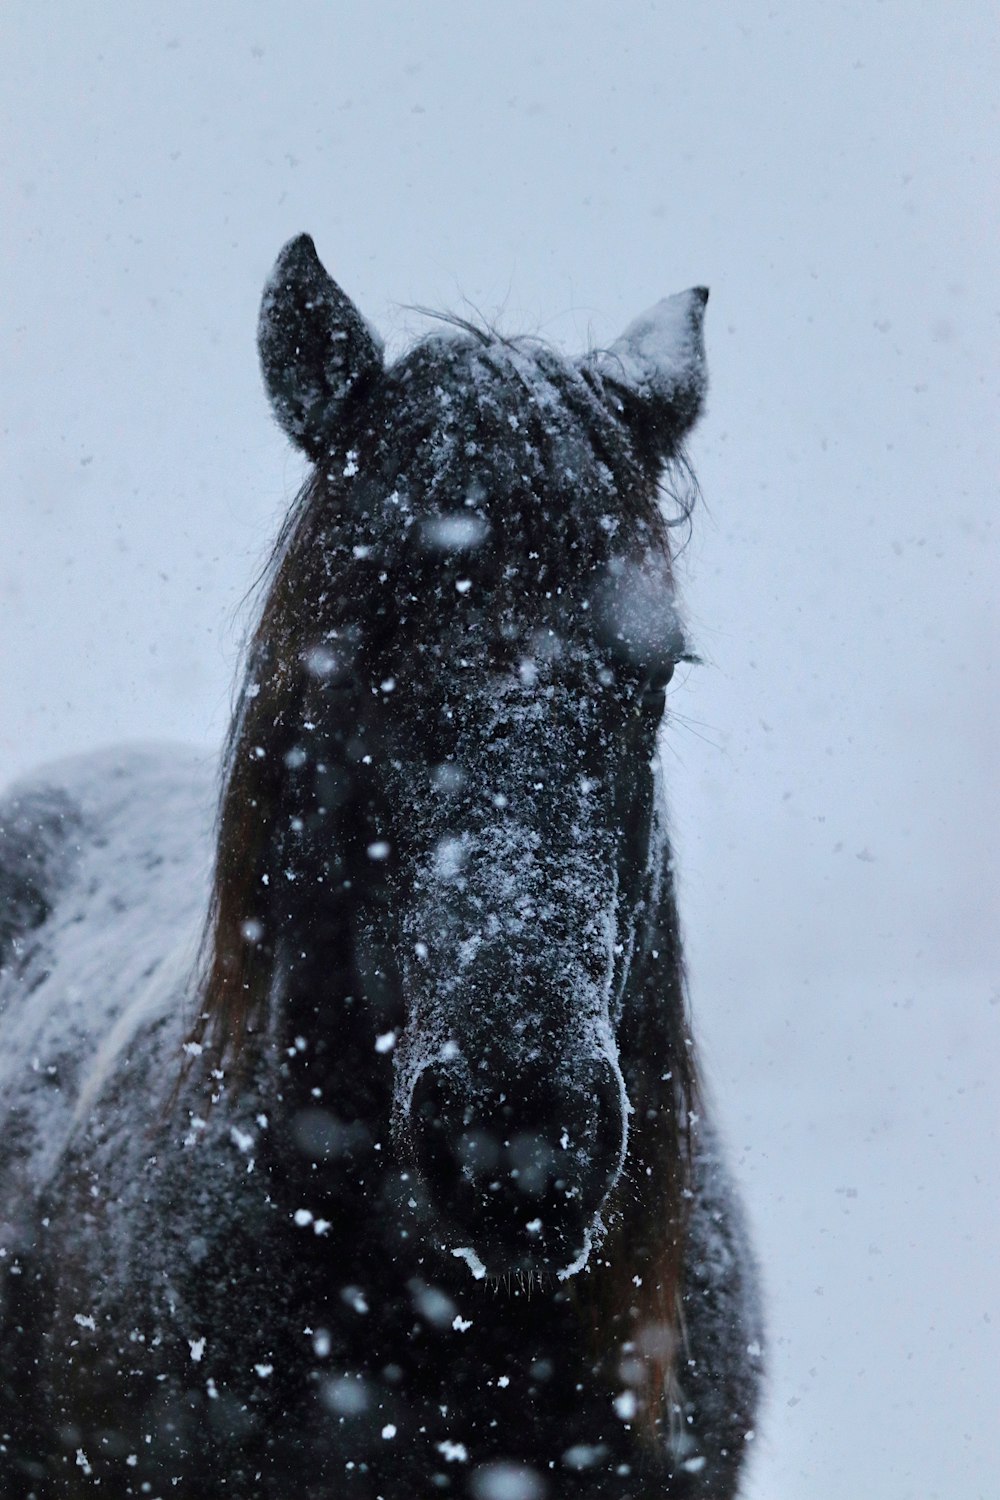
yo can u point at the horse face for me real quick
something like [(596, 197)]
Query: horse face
[(505, 732), (506, 629)]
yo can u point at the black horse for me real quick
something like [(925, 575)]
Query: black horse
[(396, 1181)]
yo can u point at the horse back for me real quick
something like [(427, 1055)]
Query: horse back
[(103, 870)]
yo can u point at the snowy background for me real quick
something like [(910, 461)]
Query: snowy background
[(831, 172)]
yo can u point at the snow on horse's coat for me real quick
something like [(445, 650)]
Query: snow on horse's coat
[(365, 1155)]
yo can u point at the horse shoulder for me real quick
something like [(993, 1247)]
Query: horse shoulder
[(38, 824)]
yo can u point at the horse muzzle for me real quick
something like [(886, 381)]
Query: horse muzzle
[(517, 1169)]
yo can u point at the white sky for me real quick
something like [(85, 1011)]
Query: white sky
[(831, 172)]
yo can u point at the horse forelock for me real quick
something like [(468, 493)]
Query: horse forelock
[(505, 435)]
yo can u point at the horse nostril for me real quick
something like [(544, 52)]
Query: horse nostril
[(435, 1107), (498, 1158), (610, 1110), (592, 1139), (426, 1099), (442, 1143)]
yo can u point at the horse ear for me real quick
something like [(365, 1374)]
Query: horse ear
[(314, 345), (656, 372)]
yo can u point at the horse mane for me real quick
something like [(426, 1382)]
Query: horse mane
[(236, 951)]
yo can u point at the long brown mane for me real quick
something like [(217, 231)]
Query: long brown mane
[(237, 949)]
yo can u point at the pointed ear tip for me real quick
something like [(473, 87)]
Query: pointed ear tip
[(701, 292), (299, 247)]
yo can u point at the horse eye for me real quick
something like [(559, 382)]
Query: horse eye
[(655, 685)]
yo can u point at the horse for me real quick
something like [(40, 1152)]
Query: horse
[(361, 1152)]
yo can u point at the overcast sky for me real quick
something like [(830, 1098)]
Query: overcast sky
[(831, 172)]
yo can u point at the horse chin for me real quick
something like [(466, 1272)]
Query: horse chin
[(532, 1262)]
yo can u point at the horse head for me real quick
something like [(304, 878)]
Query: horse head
[(455, 692)]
